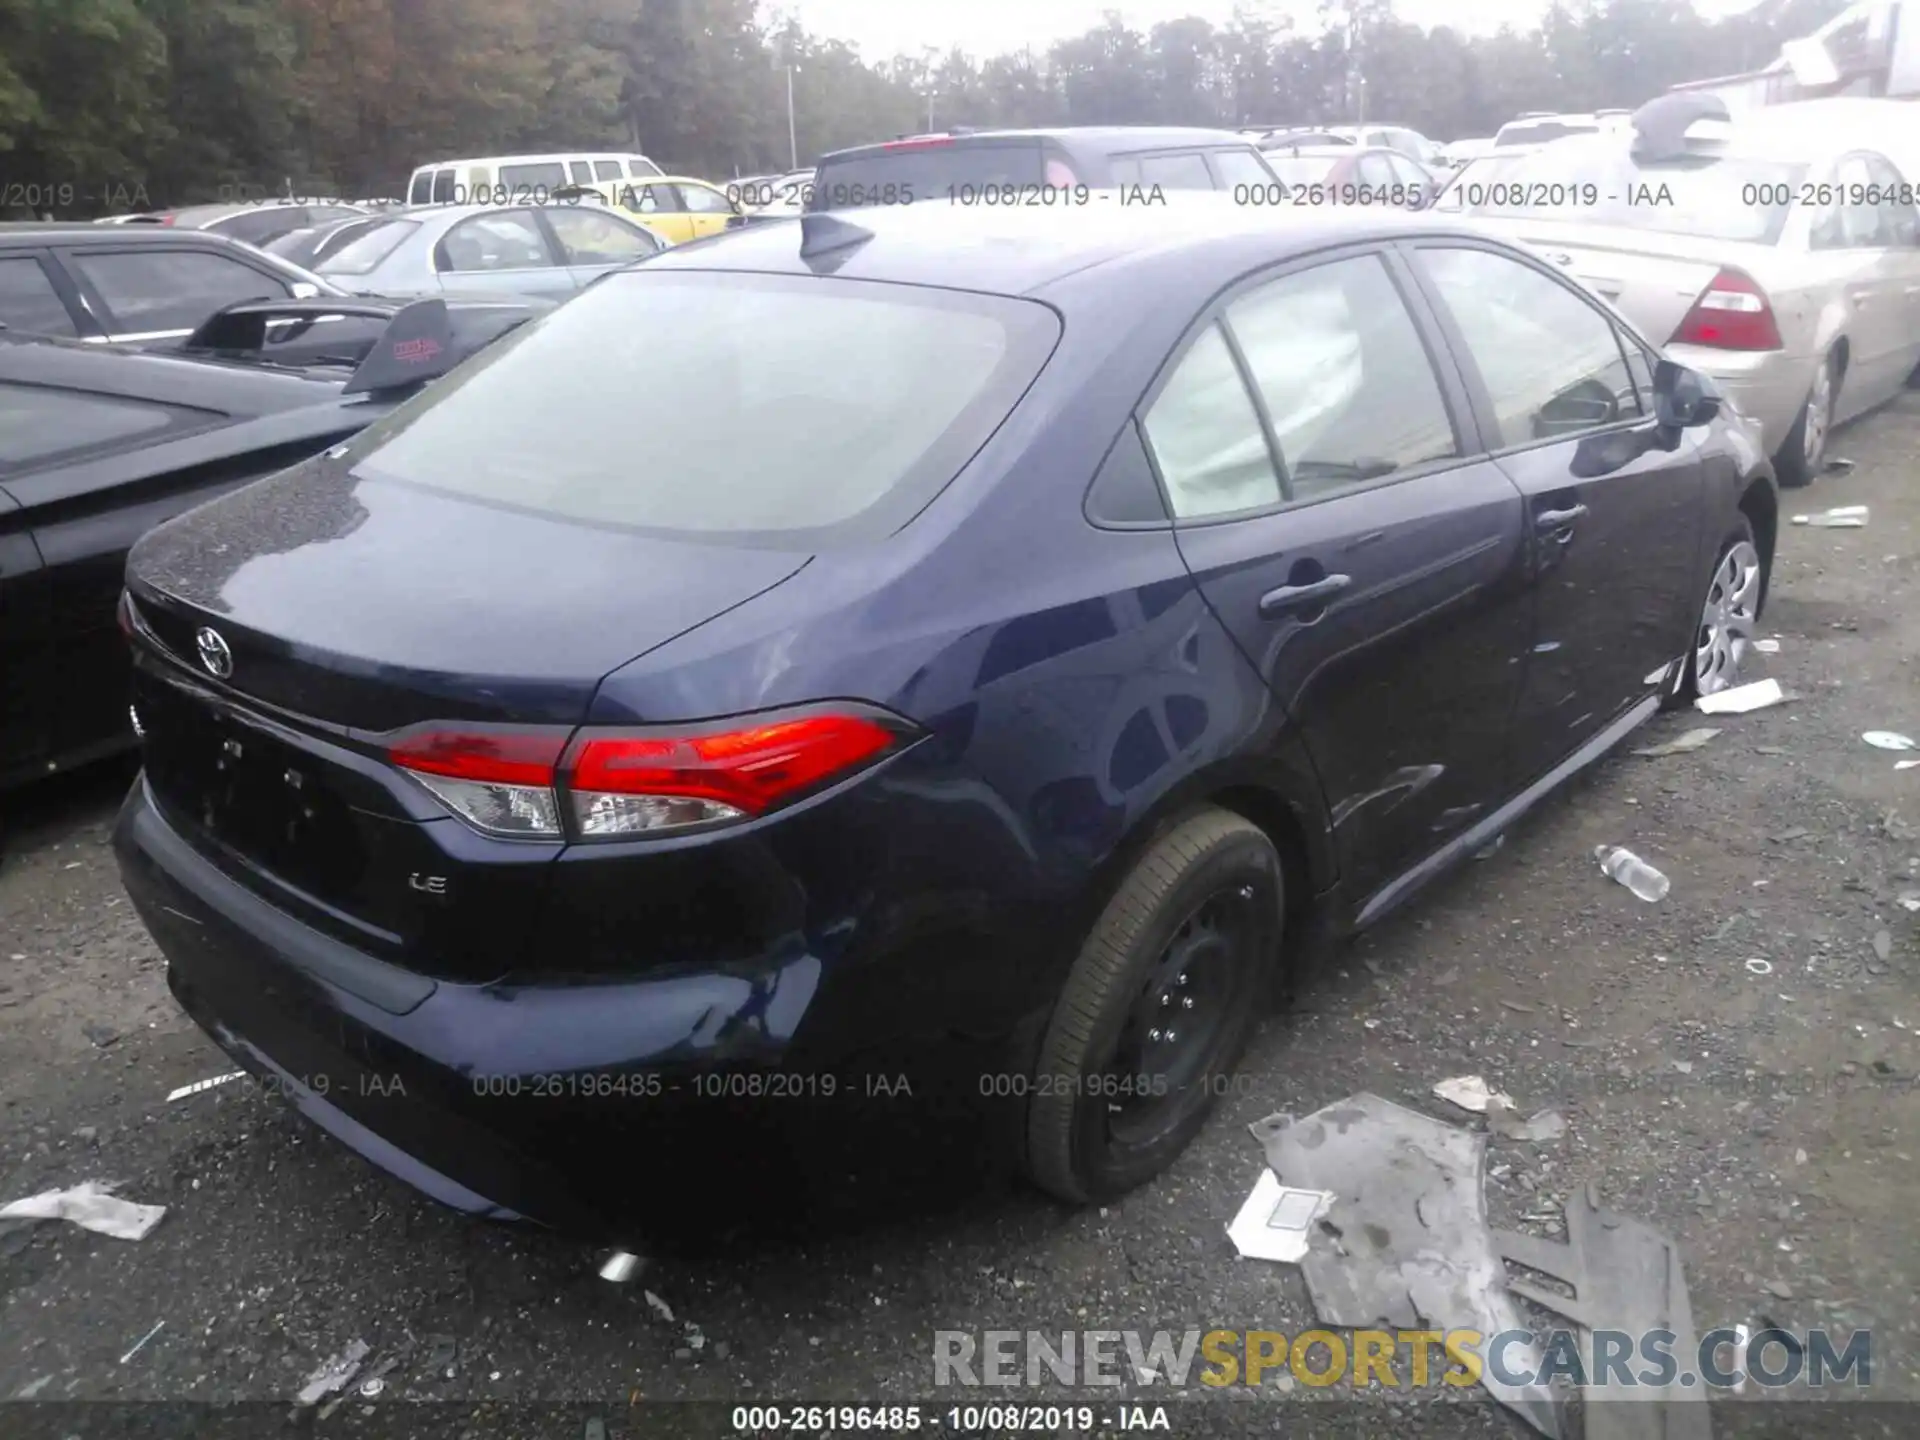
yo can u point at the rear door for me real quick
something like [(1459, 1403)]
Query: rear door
[(1900, 222), (1330, 499), (1613, 519), (658, 205), (1854, 238)]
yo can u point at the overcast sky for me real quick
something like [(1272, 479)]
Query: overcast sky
[(884, 28)]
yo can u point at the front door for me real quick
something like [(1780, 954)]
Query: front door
[(1331, 502), (1613, 517)]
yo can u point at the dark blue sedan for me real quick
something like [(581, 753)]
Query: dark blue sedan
[(980, 644)]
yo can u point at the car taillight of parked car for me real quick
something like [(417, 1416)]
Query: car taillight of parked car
[(1732, 313), (598, 784)]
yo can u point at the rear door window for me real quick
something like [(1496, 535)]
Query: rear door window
[(1234, 168), (420, 192), (155, 292), (606, 170), (526, 181), (1206, 436), (504, 240), (1187, 171), (445, 183), (795, 410), (28, 300)]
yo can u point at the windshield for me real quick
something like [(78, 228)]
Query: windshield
[(1301, 169), (1539, 132), (362, 255), (784, 405), (1593, 181)]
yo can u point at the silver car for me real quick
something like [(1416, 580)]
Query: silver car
[(549, 250), (1770, 254)]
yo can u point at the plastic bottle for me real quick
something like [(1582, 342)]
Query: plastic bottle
[(1633, 872)]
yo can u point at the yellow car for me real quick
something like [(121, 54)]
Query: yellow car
[(676, 207)]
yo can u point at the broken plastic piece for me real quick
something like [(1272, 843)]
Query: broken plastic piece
[(91, 1207), (1767, 647), (1838, 465), (1757, 966), (1841, 517), (1692, 740), (1905, 764), (1406, 1238), (621, 1266), (1741, 698), (1276, 1220), (659, 1307), (333, 1375), (1470, 1092), (1890, 740), (197, 1086), (1504, 1121), (1621, 864)]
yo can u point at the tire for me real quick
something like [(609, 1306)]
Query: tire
[(1791, 464), (1739, 541), (1197, 920)]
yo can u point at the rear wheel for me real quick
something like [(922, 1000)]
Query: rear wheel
[(1158, 1005), (1804, 451), (1729, 613)]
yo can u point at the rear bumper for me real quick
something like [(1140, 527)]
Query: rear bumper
[(1767, 386), (506, 1102)]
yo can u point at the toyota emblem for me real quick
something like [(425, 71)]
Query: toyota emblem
[(214, 653)]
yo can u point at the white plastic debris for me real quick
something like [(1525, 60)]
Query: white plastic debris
[(1905, 764), (197, 1086), (1544, 1125), (333, 1375), (1840, 517), (659, 1307), (141, 1343), (1690, 741), (1758, 966), (1276, 1220), (1620, 863), (1741, 698), (1470, 1092), (91, 1206), (1890, 740), (1767, 647)]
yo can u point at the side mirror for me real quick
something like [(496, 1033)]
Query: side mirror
[(1683, 398)]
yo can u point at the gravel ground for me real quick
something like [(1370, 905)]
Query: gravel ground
[(1768, 1121)]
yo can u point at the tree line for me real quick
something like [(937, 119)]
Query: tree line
[(117, 104)]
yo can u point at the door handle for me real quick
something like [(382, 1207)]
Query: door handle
[(1549, 520), (1298, 597)]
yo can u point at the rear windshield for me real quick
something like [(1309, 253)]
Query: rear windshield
[(788, 411), (1302, 169), (1540, 132), (363, 254), (924, 172), (1594, 181)]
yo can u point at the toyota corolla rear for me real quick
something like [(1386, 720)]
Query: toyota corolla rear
[(406, 855)]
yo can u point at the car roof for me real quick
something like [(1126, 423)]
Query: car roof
[(1113, 139), (234, 386), (1022, 250), (56, 231), (1323, 152), (542, 158)]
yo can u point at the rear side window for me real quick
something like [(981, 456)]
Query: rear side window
[(420, 192), (582, 172), (643, 167), (606, 170), (38, 424), (1239, 168), (28, 300), (1176, 172), (256, 227), (444, 185), (1206, 436), (794, 409), (924, 172), (520, 179)]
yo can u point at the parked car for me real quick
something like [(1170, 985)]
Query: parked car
[(1774, 255), (519, 179), (675, 208), (1351, 175), (1541, 128), (481, 249), (134, 284), (255, 222), (1019, 686), (1280, 139), (1011, 166), (1410, 143), (310, 246), (97, 444), (785, 199), (1457, 154)]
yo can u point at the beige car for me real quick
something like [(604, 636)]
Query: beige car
[(1781, 258)]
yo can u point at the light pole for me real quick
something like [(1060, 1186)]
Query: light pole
[(793, 142)]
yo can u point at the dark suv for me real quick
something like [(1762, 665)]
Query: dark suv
[(963, 166)]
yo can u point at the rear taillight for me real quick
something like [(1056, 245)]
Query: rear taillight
[(611, 784), (1732, 313)]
